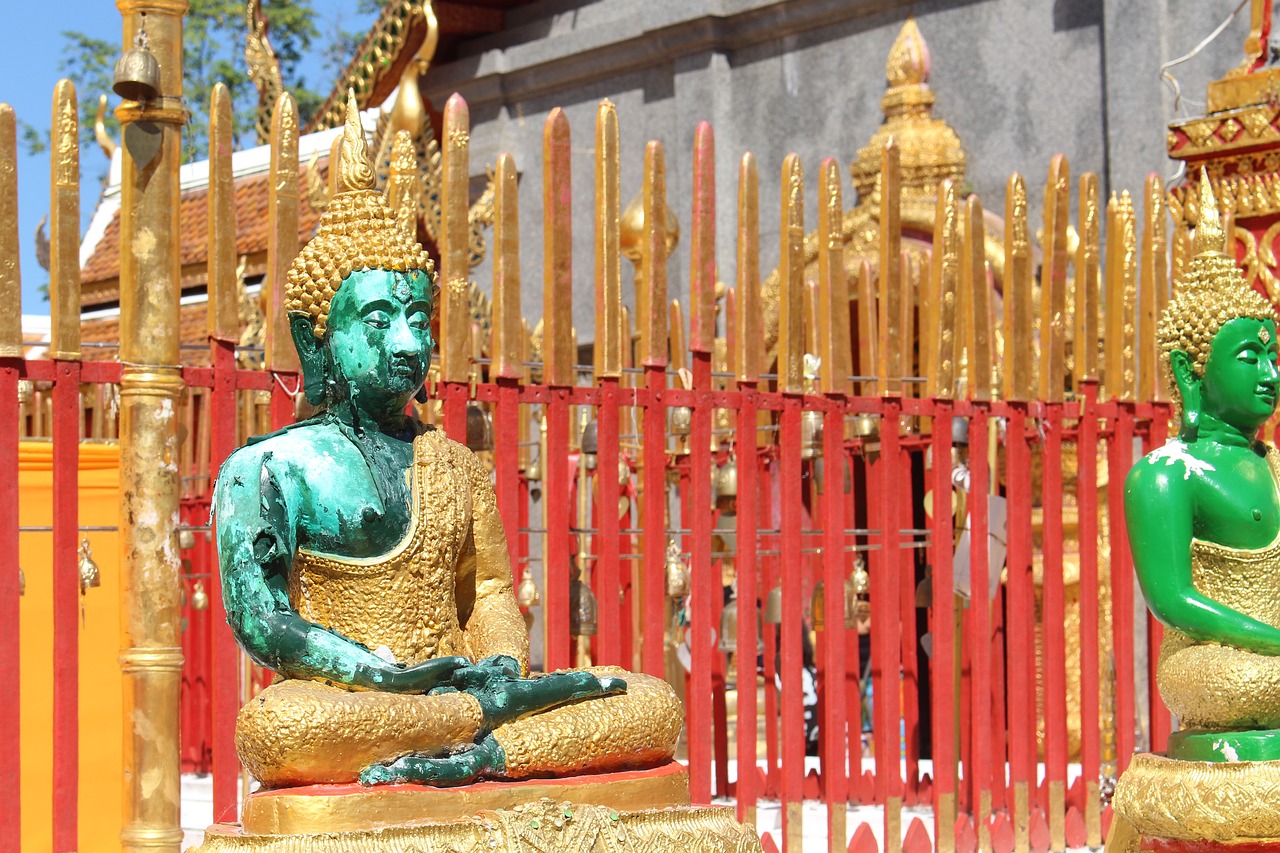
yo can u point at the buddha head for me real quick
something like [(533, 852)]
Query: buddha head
[(1218, 336), (360, 296)]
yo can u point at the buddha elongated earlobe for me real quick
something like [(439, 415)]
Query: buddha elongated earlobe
[(421, 394), (312, 357), (1188, 385)]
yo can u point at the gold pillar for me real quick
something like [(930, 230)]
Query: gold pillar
[(151, 654)]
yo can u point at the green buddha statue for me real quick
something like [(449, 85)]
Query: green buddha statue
[(1203, 511), (364, 559), (1203, 516)]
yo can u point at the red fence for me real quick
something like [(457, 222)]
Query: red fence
[(966, 698)]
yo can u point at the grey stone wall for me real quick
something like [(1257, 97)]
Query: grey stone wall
[(1019, 80)]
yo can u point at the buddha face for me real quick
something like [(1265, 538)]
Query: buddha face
[(1240, 380), (379, 338)]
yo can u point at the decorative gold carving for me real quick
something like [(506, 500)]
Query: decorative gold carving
[(263, 67), (1200, 800), (10, 273), (303, 811), (537, 826), (105, 142), (371, 60)]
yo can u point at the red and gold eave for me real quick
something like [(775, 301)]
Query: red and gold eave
[(1237, 144)]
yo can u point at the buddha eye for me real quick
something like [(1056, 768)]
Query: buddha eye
[(420, 320), (377, 320)]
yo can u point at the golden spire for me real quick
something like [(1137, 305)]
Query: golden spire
[(355, 169), (1209, 239)]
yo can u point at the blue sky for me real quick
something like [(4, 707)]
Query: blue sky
[(30, 50)]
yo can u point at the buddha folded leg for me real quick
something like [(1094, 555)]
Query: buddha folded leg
[(1207, 685), (625, 731), (299, 732)]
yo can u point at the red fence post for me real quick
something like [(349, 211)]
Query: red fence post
[(942, 628), (10, 639), (66, 605)]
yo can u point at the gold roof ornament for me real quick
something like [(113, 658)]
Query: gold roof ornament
[(930, 152), (929, 148), (1211, 292)]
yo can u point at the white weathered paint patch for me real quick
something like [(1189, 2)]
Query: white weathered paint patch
[(1175, 450), (385, 653)]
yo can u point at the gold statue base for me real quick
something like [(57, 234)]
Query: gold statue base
[(642, 810), (1167, 805)]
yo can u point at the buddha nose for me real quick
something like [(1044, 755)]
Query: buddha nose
[(403, 342)]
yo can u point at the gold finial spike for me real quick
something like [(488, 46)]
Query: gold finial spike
[(282, 239), (10, 272), (1155, 280), (507, 335), (1019, 348), (908, 61), (702, 243), (675, 336), (748, 332), (791, 285), (868, 327), (910, 285), (1086, 306), (730, 332), (64, 225), (355, 169), (105, 142), (1053, 281), (890, 370), (946, 271), (609, 341), (650, 317), (558, 352), (224, 298), (335, 157), (833, 283), (455, 234), (1129, 291), (978, 344), (1209, 238), (811, 334)]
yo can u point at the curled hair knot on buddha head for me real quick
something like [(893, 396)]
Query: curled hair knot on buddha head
[(358, 230), (1210, 294)]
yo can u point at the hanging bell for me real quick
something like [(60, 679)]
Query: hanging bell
[(22, 582), (850, 603), (681, 420), (727, 479), (582, 609), (860, 579), (527, 594), (590, 445), (199, 598), (818, 606), (811, 435), (677, 575), (186, 540), (533, 473), (479, 429), (137, 76), (728, 639), (866, 425), (89, 574), (773, 606)]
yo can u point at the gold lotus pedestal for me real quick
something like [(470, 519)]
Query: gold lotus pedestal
[(645, 810)]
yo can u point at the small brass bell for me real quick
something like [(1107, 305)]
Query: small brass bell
[(479, 429), (186, 539), (860, 579), (533, 473), (582, 609), (590, 445), (677, 575), (89, 574), (850, 603), (818, 606), (727, 479), (527, 594), (811, 435), (681, 420), (199, 598), (137, 75), (866, 425)]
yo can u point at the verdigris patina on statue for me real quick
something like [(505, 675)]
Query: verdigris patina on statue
[(364, 560), (1203, 515)]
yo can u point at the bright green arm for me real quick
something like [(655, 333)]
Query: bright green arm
[(258, 516), (1159, 512)]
